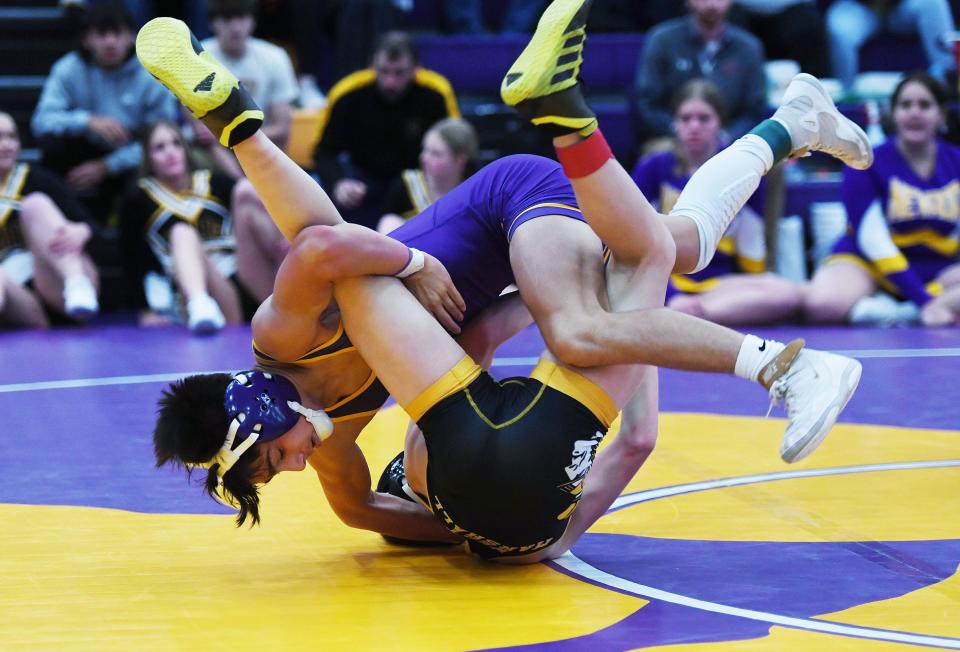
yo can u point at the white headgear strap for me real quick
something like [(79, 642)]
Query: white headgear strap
[(321, 423), (227, 456)]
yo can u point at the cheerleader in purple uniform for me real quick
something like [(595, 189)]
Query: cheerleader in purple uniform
[(903, 217), (734, 288)]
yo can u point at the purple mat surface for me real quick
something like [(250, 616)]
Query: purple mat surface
[(79, 404)]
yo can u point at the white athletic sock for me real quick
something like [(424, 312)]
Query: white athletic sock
[(755, 354), (720, 188)]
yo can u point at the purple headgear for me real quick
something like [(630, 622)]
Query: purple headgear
[(262, 400), (261, 407)]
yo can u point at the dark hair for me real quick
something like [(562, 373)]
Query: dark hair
[(192, 426), (927, 80), (701, 89), (106, 17), (231, 8), (396, 45), (146, 167)]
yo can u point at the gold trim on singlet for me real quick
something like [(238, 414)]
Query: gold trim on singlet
[(315, 354), (360, 390), (540, 205), (578, 387), (455, 380), (11, 190)]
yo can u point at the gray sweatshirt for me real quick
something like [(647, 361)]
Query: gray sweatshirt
[(78, 88)]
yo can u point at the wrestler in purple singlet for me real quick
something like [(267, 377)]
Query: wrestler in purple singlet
[(469, 228)]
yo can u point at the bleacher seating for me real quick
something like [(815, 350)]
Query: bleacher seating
[(475, 66), (33, 35)]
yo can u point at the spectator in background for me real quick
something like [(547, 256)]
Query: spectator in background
[(466, 16), (205, 234), (376, 119), (630, 15), (95, 103), (902, 214), (447, 158), (851, 23), (702, 44), (359, 24), (733, 289), (43, 267), (264, 68), (788, 29)]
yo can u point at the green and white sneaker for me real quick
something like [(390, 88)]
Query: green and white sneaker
[(815, 124)]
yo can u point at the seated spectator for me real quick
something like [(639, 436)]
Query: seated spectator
[(201, 232), (43, 267), (263, 68), (788, 29), (95, 103), (376, 119), (851, 23), (702, 44), (733, 288), (902, 220), (447, 158)]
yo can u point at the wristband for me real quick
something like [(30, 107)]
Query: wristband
[(414, 264)]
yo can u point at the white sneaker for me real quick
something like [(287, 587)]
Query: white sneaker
[(815, 124), (204, 315), (80, 298), (814, 388), (882, 310)]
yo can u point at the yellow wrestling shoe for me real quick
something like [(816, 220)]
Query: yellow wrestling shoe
[(172, 54), (543, 82)]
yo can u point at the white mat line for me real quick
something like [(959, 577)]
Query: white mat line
[(497, 362)]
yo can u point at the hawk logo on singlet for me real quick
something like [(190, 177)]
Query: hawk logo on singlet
[(584, 450), (206, 84)]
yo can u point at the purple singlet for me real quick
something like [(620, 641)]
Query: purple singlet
[(469, 229)]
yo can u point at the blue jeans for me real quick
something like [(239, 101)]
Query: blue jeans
[(850, 24)]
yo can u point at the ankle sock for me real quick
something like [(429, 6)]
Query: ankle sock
[(754, 355)]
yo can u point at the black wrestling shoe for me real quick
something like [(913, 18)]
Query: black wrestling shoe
[(173, 55)]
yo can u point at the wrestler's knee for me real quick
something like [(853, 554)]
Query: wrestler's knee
[(572, 338), (658, 256)]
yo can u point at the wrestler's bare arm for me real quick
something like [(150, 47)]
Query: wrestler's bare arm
[(288, 323), (345, 478)]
